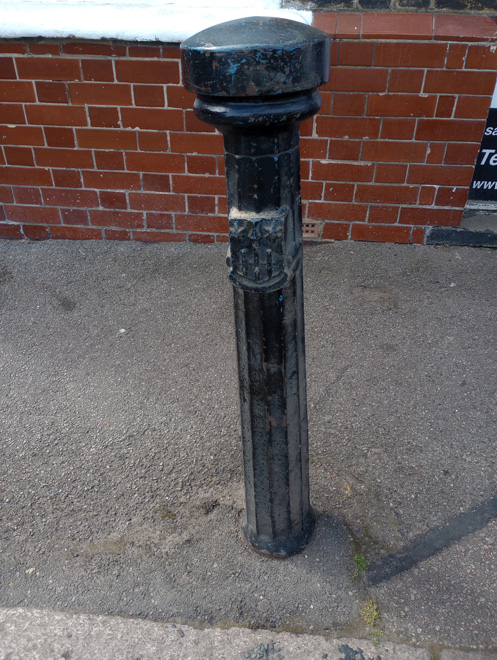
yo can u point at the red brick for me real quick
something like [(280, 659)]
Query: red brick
[(356, 54), (104, 117), (386, 194), (156, 182), (112, 180), (427, 195), (155, 162), (305, 169), (12, 114), (406, 80), (394, 151), (149, 95), (6, 196), (113, 200), (109, 160), (201, 164), (398, 129), (210, 223), (70, 197), (333, 171), (171, 52), (178, 97), (25, 176), (125, 219), (222, 238), (36, 232), (349, 104), (201, 238), (106, 50), (348, 26), (27, 195), (401, 105), (345, 149), (19, 156), (482, 57), (464, 28), (32, 214), (407, 54), (390, 173), (94, 138), (417, 236), (357, 80), (7, 68), (456, 56), (194, 125), (335, 231), (108, 94), (449, 130), (425, 216), (326, 99), (153, 141), (157, 202), (98, 70), (338, 192), (394, 26), (436, 152), (160, 221), (16, 91), (196, 143), (222, 205), (460, 82), (44, 49), (152, 118), (353, 127), (21, 135), (51, 92), (156, 236), (307, 127), (10, 47), (440, 175), (74, 216), (461, 154), (456, 197), (199, 185), (10, 231), (56, 115), (76, 233), (326, 22), (313, 148), (48, 68), (117, 234), (70, 158), (383, 214), (160, 72), (154, 51), (380, 233), (67, 178), (472, 107), (445, 106), (312, 190), (337, 211), (201, 204)]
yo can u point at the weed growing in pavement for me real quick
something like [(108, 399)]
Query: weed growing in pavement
[(371, 615), (361, 565)]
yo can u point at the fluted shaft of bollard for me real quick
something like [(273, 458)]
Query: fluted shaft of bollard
[(257, 97)]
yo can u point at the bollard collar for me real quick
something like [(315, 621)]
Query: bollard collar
[(257, 56)]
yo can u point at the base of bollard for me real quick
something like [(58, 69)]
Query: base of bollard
[(281, 548)]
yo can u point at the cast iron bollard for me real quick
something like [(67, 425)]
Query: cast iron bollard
[(256, 80)]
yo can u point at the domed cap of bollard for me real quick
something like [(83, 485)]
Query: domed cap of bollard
[(257, 56)]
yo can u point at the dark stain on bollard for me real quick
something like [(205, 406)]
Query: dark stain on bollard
[(255, 80)]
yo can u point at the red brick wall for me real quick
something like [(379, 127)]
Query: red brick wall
[(99, 140)]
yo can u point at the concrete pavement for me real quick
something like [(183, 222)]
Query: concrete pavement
[(121, 481)]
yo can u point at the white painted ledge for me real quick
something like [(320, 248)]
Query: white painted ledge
[(130, 20)]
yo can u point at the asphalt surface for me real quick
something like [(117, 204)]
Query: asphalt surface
[(120, 482)]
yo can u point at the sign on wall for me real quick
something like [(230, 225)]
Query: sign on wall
[(484, 184)]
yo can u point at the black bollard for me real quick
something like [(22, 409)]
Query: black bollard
[(255, 80)]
